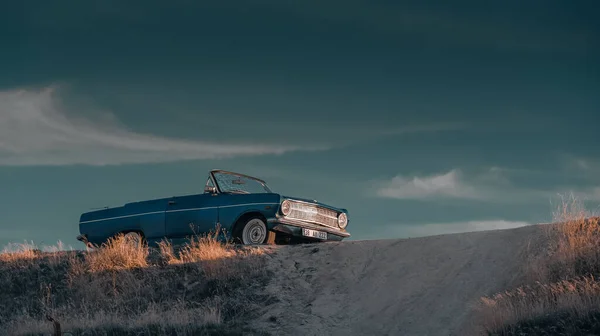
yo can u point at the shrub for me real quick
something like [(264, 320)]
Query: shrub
[(118, 253)]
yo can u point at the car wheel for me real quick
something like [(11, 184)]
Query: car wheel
[(135, 239), (255, 232)]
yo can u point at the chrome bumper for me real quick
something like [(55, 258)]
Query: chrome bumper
[(302, 224)]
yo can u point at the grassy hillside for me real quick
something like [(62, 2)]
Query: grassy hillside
[(121, 288), (562, 295), (410, 286)]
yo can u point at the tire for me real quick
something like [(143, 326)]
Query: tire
[(136, 239), (254, 231)]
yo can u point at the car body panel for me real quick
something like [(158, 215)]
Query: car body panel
[(180, 217), (188, 215)]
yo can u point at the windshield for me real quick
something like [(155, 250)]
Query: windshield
[(240, 184)]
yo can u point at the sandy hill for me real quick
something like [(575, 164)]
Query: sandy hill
[(421, 286)]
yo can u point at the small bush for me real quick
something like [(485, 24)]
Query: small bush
[(118, 253)]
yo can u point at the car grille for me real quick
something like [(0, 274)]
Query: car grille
[(314, 214)]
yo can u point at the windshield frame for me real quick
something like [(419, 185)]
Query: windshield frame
[(220, 191)]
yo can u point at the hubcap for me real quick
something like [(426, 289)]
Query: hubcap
[(254, 232), (133, 238)]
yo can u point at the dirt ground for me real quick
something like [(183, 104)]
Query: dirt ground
[(420, 286)]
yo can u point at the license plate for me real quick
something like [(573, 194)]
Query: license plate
[(314, 234)]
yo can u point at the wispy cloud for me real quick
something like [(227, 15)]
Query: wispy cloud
[(489, 185), (36, 129), (591, 194), (578, 164), (451, 184), (583, 174), (583, 164)]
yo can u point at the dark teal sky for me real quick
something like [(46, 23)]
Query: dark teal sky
[(420, 117)]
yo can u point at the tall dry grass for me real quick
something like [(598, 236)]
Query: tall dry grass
[(124, 288), (563, 290), (574, 242), (118, 253), (219, 261), (506, 311)]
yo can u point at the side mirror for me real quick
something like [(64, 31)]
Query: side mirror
[(210, 190)]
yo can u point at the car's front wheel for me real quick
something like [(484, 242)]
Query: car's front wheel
[(254, 232)]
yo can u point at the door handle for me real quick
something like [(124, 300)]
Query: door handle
[(172, 202)]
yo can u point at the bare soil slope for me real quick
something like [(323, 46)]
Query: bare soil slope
[(420, 286)]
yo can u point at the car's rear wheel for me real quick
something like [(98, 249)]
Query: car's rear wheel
[(254, 232), (134, 239)]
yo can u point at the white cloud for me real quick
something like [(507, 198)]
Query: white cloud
[(492, 184), (450, 184), (454, 227), (35, 129)]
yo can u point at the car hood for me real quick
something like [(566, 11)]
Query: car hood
[(314, 202)]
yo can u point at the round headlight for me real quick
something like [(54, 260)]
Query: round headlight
[(342, 220), (286, 207)]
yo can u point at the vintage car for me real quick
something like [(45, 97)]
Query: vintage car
[(242, 207)]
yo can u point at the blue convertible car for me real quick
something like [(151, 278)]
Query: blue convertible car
[(244, 207)]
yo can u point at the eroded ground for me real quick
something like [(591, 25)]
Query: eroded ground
[(422, 286)]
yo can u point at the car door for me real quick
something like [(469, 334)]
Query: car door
[(191, 215)]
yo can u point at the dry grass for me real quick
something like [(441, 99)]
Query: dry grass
[(574, 243), (505, 311), (118, 253), (155, 320), (23, 253), (14, 252), (199, 249), (563, 293), (208, 287), (215, 257)]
